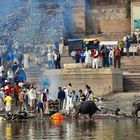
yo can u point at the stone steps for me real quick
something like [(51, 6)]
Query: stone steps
[(131, 77), (34, 74), (130, 65), (131, 82)]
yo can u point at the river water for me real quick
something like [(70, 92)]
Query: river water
[(99, 129)]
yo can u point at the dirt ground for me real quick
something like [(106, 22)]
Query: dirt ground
[(123, 100)]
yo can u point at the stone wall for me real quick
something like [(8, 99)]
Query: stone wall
[(102, 81), (78, 16), (102, 17), (107, 20)]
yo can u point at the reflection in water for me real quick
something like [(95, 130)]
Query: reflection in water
[(8, 131), (71, 130)]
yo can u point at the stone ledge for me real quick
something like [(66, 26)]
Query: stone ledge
[(74, 66)]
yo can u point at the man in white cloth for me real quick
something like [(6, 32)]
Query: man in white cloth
[(69, 97), (2, 97), (87, 57)]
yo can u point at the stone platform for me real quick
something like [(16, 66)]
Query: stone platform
[(102, 81)]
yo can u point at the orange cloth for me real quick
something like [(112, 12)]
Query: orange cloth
[(57, 116)]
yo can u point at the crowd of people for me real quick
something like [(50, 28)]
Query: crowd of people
[(22, 97), (105, 56), (68, 97), (96, 58), (48, 56), (26, 97)]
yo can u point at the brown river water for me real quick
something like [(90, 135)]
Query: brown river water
[(99, 129)]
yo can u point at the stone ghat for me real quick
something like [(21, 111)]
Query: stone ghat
[(102, 81), (74, 66)]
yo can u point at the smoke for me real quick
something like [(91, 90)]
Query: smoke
[(52, 82), (37, 21), (54, 22)]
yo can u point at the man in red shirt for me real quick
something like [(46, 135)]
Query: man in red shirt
[(8, 88), (95, 58), (16, 94)]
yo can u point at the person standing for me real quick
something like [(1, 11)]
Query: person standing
[(75, 97), (121, 46), (32, 97), (16, 93), (58, 60), (105, 53), (82, 96), (90, 95), (55, 59), (87, 57), (26, 60), (95, 58), (44, 100), (21, 74), (20, 58), (61, 97), (2, 97), (83, 57), (117, 58), (8, 104), (15, 67), (22, 98), (127, 46), (50, 60), (66, 94), (69, 97), (111, 56)]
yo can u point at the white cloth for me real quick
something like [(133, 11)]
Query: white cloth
[(55, 56), (87, 57), (50, 56), (86, 92), (95, 63), (26, 60), (73, 53), (68, 100), (8, 108), (32, 94), (111, 54), (69, 103), (1, 69), (10, 74), (61, 46), (2, 97), (65, 100)]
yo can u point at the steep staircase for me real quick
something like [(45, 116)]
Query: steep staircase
[(131, 73)]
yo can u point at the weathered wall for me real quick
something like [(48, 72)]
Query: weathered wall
[(99, 17), (108, 19), (78, 16), (102, 81)]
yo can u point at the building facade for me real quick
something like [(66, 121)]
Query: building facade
[(104, 18)]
